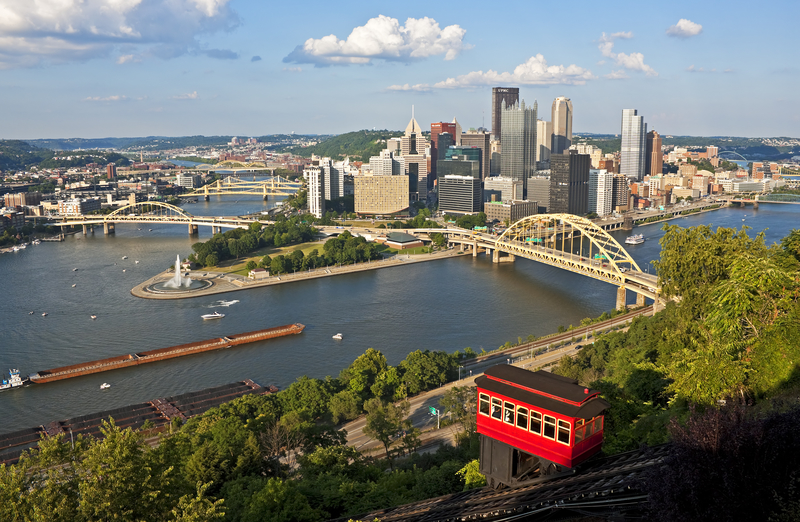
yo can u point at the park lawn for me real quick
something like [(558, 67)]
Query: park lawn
[(412, 251), (237, 266)]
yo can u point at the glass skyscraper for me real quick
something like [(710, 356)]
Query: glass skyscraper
[(633, 150), (518, 136)]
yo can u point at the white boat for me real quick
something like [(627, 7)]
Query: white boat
[(215, 315), (104, 386), (137, 262), (30, 313), (124, 257), (44, 314), (74, 269), (338, 337), (637, 239), (93, 317), (74, 285)]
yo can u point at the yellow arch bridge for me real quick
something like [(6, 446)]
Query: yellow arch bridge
[(273, 186), (151, 212), (565, 241)]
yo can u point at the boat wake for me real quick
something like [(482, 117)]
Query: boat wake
[(223, 304)]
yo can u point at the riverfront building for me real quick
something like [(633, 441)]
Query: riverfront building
[(561, 120), (510, 212), (78, 207), (518, 141), (460, 195), (634, 148), (314, 176), (601, 189), (380, 195), (499, 188), (569, 183), (538, 189)]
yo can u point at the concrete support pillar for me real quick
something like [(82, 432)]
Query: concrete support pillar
[(461, 247), (193, 230), (621, 298), (85, 230), (496, 256), (639, 300), (108, 228), (206, 197), (755, 205), (627, 223)]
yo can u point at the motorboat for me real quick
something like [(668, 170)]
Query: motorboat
[(338, 337), (105, 386), (44, 314), (136, 262), (124, 257), (215, 315), (30, 313), (637, 239), (74, 285), (74, 269), (93, 316)]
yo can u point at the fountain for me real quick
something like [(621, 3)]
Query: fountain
[(177, 280)]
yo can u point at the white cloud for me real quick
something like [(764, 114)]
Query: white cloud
[(383, 38), (633, 61), (125, 58), (188, 96), (616, 75), (684, 29), (292, 69), (58, 31), (535, 71), (420, 87), (115, 97)]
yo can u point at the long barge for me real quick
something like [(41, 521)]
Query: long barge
[(161, 354)]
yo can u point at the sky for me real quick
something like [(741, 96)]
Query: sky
[(114, 68)]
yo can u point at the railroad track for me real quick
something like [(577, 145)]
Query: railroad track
[(603, 486)]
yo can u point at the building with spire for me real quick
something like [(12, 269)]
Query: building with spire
[(518, 138), (561, 120), (415, 150)]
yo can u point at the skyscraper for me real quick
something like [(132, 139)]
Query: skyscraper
[(509, 95), (561, 120), (569, 183), (437, 151), (518, 138), (601, 189), (654, 157), (414, 148), (315, 177), (481, 140), (632, 152), (544, 139)]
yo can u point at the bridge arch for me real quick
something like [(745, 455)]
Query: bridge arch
[(548, 230), (734, 153), (164, 210)]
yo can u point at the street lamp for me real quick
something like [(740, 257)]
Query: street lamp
[(459, 372)]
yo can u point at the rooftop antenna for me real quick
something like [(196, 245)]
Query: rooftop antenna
[(412, 112)]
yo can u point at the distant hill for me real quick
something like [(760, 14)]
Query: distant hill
[(151, 143), (358, 145), (16, 154)]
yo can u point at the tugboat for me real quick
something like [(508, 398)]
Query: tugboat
[(215, 315), (14, 380)]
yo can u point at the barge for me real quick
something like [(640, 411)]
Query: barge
[(161, 354)]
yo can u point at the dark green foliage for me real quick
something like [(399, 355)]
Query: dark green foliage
[(468, 221), (359, 145), (16, 154)]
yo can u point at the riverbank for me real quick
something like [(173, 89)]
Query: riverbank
[(222, 283), (700, 210)]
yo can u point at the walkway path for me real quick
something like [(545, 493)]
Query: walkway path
[(222, 283)]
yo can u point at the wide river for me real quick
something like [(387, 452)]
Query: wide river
[(441, 305)]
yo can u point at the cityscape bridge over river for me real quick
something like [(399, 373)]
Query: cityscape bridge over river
[(273, 186)]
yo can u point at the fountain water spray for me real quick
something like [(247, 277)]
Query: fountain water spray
[(177, 280)]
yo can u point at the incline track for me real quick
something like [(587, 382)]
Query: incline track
[(602, 487)]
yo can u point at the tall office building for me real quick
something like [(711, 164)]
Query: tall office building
[(518, 138), (633, 150), (654, 163), (538, 189), (460, 195), (544, 139), (561, 120), (621, 193), (500, 95), (482, 141), (569, 183), (315, 177), (601, 188), (380, 195), (437, 149), (414, 148), (503, 189)]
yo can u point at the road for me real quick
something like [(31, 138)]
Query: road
[(521, 356)]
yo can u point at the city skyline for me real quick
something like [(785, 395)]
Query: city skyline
[(236, 67)]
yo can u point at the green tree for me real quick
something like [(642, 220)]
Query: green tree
[(460, 403), (198, 508), (384, 422), (211, 260)]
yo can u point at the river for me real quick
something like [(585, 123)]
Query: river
[(441, 305)]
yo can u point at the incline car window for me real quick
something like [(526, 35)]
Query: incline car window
[(563, 432), (550, 427), (497, 406), (509, 414), (522, 418), (484, 404), (536, 422)]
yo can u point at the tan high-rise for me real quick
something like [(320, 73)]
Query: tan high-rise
[(561, 119), (654, 160)]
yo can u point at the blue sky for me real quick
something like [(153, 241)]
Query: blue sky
[(97, 68)]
